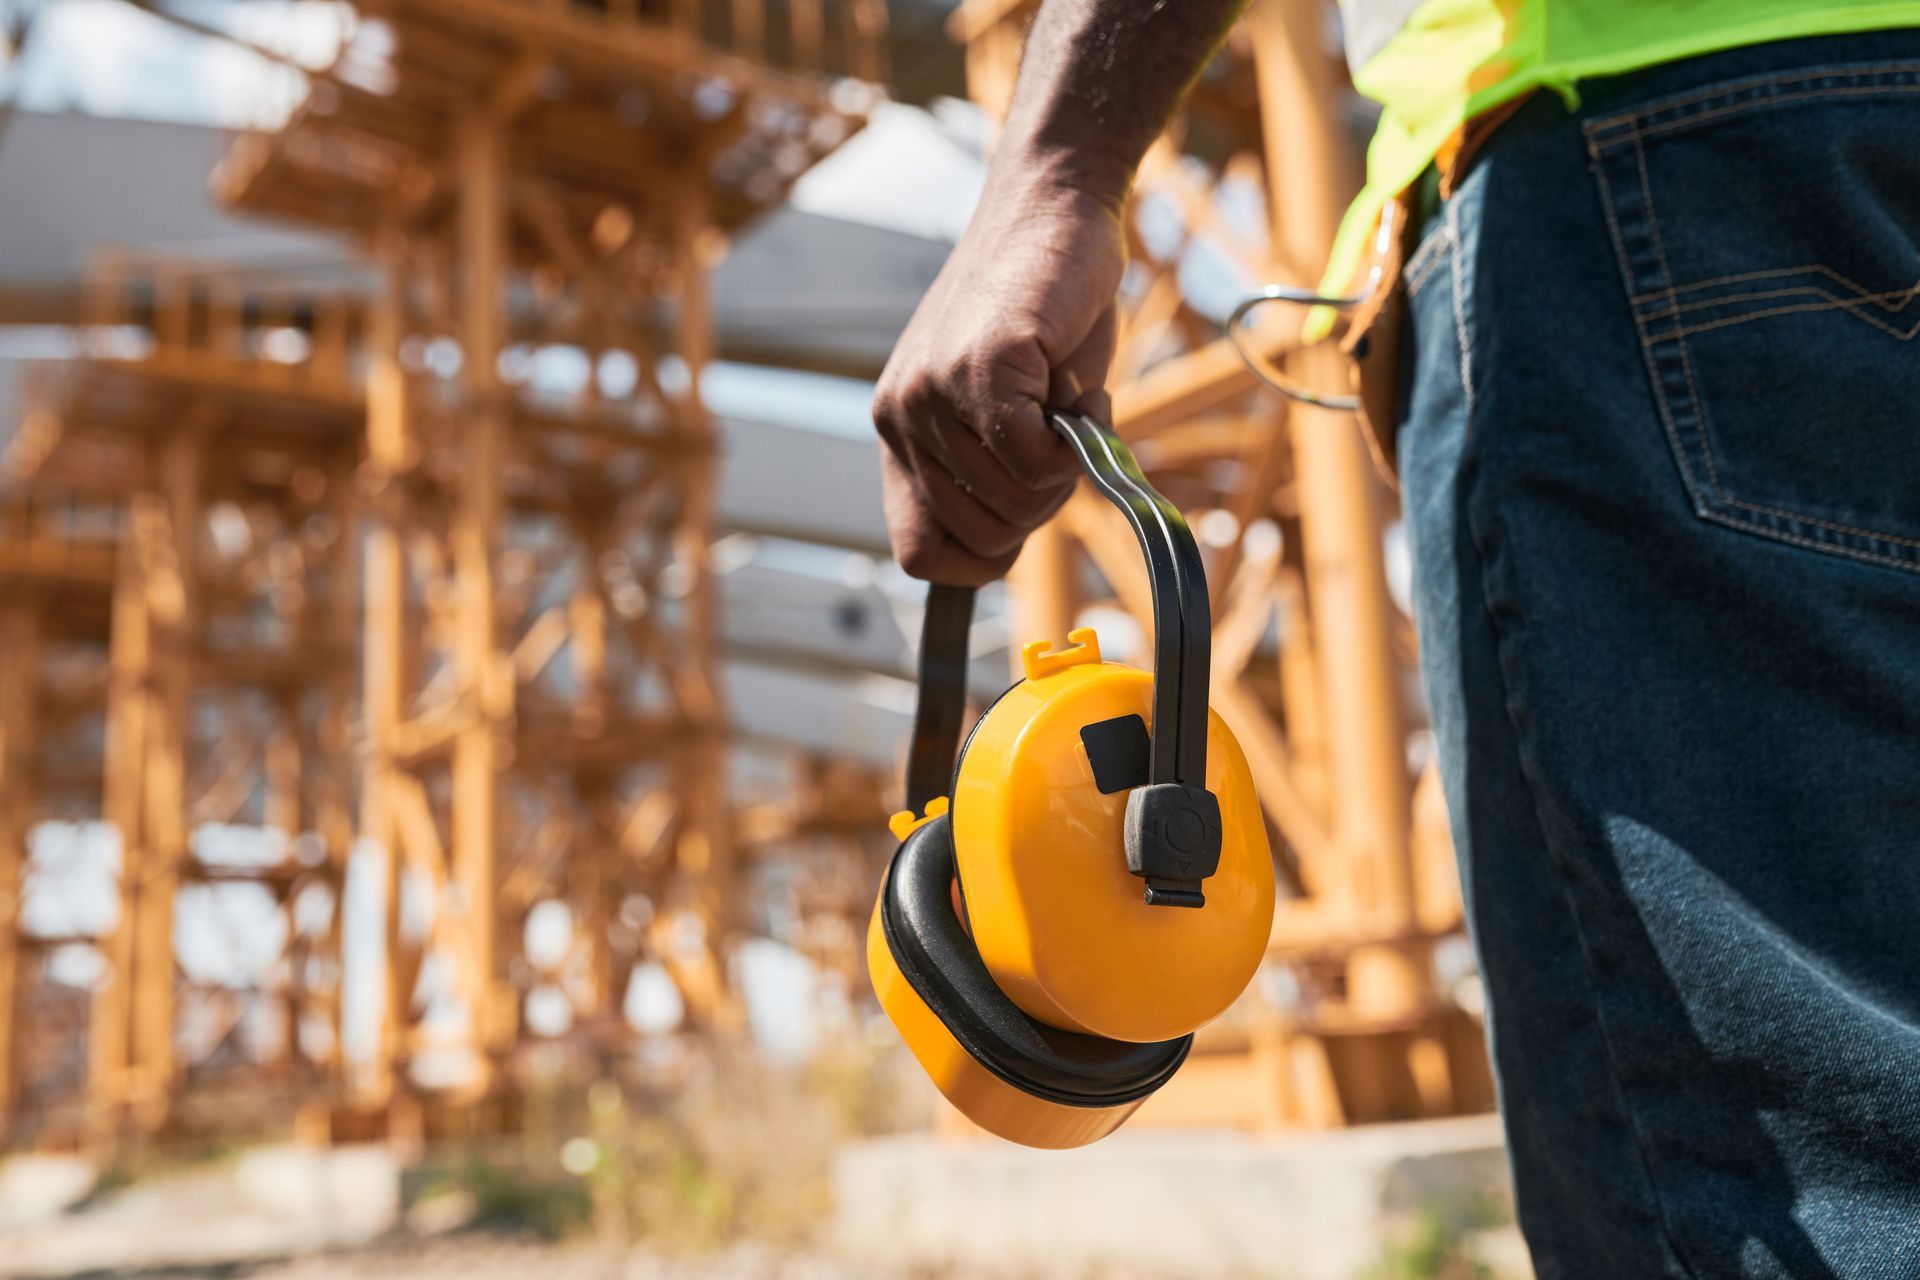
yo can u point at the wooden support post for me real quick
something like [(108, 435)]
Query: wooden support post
[(131, 1052), (19, 728), (587, 630), (749, 28), (333, 818), (162, 853), (1044, 592), (485, 677), (1341, 527), (285, 813), (129, 661), (867, 40), (809, 34), (686, 17), (383, 644), (1300, 695), (705, 853)]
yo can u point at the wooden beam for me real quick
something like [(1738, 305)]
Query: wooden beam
[(484, 677), (1341, 524), (19, 785), (53, 304), (705, 851), (642, 48), (515, 89)]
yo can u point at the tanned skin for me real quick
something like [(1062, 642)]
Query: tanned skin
[(1021, 318)]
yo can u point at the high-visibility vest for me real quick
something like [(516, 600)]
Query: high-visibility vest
[(1435, 64)]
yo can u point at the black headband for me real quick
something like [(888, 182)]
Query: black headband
[(1182, 624)]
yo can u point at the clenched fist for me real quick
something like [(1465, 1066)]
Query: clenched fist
[(1020, 320)]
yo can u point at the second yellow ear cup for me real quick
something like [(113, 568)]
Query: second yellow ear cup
[(1058, 919), (1007, 1072)]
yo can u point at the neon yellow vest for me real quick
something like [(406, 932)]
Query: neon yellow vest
[(1434, 64)]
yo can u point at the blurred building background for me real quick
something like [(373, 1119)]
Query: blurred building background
[(453, 683)]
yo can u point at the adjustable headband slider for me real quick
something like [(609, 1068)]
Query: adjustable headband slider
[(1173, 841), (1177, 580)]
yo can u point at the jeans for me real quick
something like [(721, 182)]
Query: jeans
[(1660, 456)]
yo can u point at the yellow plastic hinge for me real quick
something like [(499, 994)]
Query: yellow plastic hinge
[(1083, 647), (904, 824)]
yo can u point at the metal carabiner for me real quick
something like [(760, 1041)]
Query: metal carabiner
[(1261, 368)]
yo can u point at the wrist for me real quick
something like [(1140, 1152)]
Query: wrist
[(1038, 176)]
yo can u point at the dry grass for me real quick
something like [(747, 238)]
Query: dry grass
[(731, 1150)]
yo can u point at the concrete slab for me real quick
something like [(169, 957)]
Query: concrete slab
[(270, 1203), (1287, 1206), (36, 1187), (346, 1193)]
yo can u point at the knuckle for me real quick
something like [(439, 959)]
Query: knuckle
[(921, 390), (919, 561), (996, 538), (903, 398), (918, 547)]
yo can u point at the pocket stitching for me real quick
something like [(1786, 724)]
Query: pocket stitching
[(1686, 357), (1765, 274), (1677, 335), (1744, 95), (1800, 518), (1801, 75), (1460, 313), (1429, 258), (1836, 548), (1646, 351), (1736, 108), (1891, 301), (1832, 304)]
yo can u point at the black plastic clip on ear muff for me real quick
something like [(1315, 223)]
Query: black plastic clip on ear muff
[(1172, 822)]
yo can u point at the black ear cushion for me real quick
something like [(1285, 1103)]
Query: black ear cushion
[(939, 960)]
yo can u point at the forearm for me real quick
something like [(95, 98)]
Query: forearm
[(1097, 84), (1022, 318)]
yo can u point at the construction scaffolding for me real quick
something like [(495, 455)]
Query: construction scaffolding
[(57, 576), (389, 590), (1313, 663), (543, 717), (222, 442)]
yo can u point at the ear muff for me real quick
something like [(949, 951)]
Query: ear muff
[(1039, 818), (1009, 1072), (1106, 836)]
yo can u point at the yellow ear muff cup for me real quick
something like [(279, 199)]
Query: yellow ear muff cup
[(1060, 923), (1009, 1073)]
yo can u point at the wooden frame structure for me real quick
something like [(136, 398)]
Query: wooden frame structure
[(224, 440), (1312, 660), (56, 581), (504, 696), (544, 723), (818, 848)]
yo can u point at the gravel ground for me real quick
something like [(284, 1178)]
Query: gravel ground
[(201, 1225), (482, 1257)]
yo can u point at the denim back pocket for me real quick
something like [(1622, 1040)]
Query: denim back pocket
[(1767, 232)]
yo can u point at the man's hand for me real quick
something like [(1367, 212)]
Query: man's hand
[(1020, 320)]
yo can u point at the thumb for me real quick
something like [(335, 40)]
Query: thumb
[(1084, 371)]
